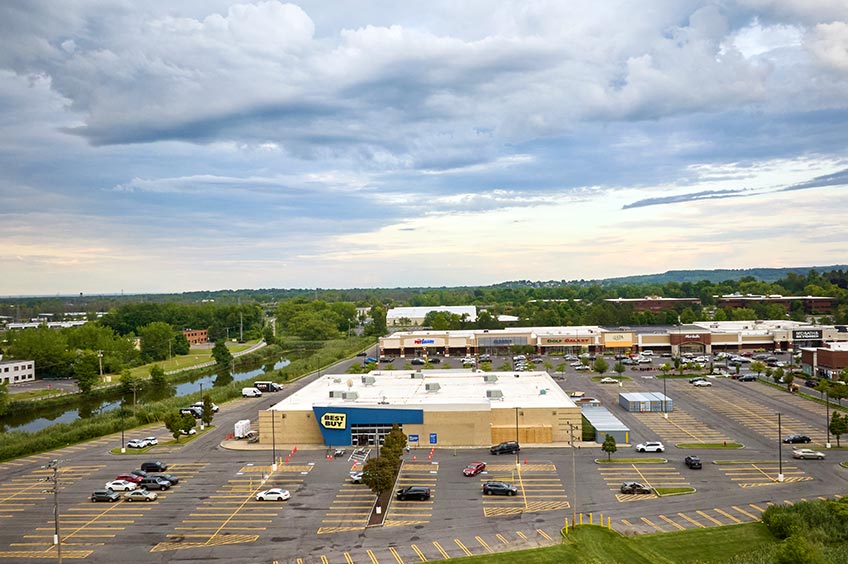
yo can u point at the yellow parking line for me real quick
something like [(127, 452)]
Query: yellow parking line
[(501, 538), (743, 512), (418, 552), (544, 534), (324, 560), (483, 544), (726, 514), (348, 558), (648, 521), (441, 550), (372, 557), (691, 520), (705, 516), (396, 555), (520, 534), (670, 522), (463, 547)]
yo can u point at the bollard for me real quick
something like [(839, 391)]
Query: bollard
[(566, 525), (591, 518), (609, 523), (581, 518), (525, 460)]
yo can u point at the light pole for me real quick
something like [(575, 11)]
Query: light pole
[(779, 451), (665, 397), (100, 362), (273, 442), (827, 417), (123, 448), (54, 479), (573, 476), (516, 434), (202, 406)]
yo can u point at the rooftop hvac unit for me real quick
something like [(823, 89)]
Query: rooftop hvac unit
[(494, 394), (337, 380), (368, 380), (432, 387), (417, 375), (336, 393), (350, 395), (490, 378)]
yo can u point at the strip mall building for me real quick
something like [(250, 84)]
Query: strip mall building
[(699, 338), (439, 408)]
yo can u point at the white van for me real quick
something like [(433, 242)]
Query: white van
[(250, 393)]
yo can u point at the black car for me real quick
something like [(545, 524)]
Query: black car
[(508, 447), (434, 360), (105, 495), (499, 488), (417, 361), (692, 462), (155, 466), (362, 354), (170, 477), (811, 383), (747, 378), (634, 488), (413, 492), (797, 439), (195, 412)]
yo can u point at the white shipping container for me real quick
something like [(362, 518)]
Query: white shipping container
[(242, 428)]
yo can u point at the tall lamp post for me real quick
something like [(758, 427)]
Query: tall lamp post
[(123, 448), (665, 397), (827, 417), (573, 476), (202, 406), (273, 442), (779, 450), (516, 434), (54, 480)]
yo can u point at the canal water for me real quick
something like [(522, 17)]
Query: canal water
[(35, 420)]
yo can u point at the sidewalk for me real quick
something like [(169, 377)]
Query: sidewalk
[(243, 444)]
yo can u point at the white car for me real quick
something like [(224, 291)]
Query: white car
[(121, 485), (702, 383), (805, 453), (608, 380), (274, 494), (137, 443), (200, 405), (581, 367), (650, 446), (151, 440), (576, 363)]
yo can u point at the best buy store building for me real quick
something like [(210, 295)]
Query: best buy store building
[(461, 407)]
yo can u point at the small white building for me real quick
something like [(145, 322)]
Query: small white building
[(17, 371)]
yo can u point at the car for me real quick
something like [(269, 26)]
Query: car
[(362, 354), (121, 485), (693, 462), (274, 494), (499, 488), (485, 358), (137, 443), (805, 453), (811, 383), (508, 447), (650, 446), (747, 378), (154, 483), (199, 405), (197, 413), (417, 361), (169, 477), (608, 380), (537, 360), (151, 440), (474, 468), (105, 495), (420, 493), (251, 392), (154, 466), (356, 477), (581, 367), (370, 360), (191, 431), (129, 477), (387, 359), (519, 358), (434, 360), (696, 379), (634, 488), (140, 495), (702, 383), (795, 439)]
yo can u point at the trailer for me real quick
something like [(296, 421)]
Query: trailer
[(242, 428)]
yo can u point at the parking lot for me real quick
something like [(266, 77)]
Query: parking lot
[(212, 512)]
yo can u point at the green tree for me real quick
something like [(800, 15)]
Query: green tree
[(129, 384), (379, 474), (47, 347), (838, 425), (208, 414), (222, 355), (394, 444), (180, 345), (377, 327), (268, 335), (788, 379), (86, 371), (600, 366), (758, 366), (179, 424), (619, 368), (157, 376), (4, 398), (609, 446), (156, 340)]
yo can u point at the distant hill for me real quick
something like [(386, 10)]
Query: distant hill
[(680, 276)]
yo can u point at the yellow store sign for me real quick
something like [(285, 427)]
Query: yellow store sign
[(334, 420)]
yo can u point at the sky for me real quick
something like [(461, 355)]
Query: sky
[(164, 146)]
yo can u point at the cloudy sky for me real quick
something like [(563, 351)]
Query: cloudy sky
[(169, 146)]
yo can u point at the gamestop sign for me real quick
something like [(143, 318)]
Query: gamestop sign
[(807, 335)]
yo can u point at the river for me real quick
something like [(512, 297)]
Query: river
[(37, 420)]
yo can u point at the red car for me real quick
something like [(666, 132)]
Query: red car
[(474, 468), (129, 477)]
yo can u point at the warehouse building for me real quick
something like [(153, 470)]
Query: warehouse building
[(459, 407), (643, 402), (605, 423)]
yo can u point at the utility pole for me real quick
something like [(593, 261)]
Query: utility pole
[(573, 476), (100, 362), (241, 323), (54, 480), (779, 450)]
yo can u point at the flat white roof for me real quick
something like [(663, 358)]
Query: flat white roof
[(457, 390), (421, 311)]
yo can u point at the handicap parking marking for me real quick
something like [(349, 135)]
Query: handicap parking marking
[(413, 512), (539, 489), (651, 475), (757, 474)]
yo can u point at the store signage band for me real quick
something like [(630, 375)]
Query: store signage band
[(424, 341), (806, 334), (334, 420)]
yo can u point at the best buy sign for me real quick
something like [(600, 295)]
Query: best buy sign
[(334, 420)]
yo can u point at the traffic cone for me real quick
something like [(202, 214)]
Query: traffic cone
[(413, 458), (525, 461)]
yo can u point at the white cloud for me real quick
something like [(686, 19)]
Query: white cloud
[(829, 43)]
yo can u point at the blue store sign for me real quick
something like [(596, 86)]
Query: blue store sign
[(413, 438), (433, 438)]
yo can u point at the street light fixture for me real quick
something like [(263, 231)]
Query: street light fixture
[(516, 434), (54, 480), (273, 442), (573, 475), (665, 397), (779, 450), (827, 417), (202, 406), (123, 448)]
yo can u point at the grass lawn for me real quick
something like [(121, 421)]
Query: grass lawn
[(590, 545), (37, 394), (152, 449), (194, 357), (631, 461), (709, 445), (674, 491)]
